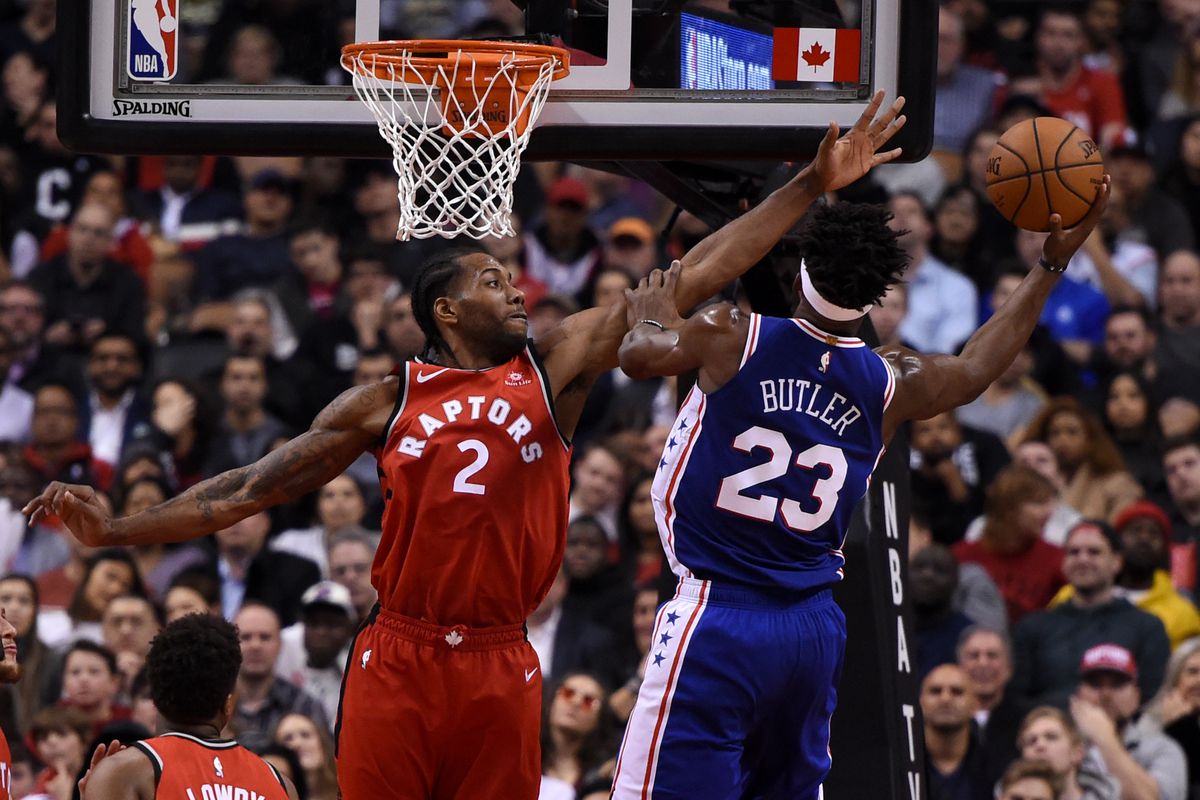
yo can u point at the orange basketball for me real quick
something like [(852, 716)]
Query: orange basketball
[(1041, 167)]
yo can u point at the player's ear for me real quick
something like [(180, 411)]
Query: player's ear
[(445, 311), (229, 708)]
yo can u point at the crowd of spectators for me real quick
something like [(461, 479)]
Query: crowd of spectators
[(165, 319)]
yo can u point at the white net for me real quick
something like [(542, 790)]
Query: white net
[(457, 131)]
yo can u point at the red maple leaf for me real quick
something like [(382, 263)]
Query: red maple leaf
[(815, 56)]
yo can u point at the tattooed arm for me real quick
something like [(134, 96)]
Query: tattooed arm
[(348, 426)]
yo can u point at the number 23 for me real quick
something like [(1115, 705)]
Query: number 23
[(730, 497)]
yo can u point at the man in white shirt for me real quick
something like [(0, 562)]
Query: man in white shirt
[(942, 303), (114, 412)]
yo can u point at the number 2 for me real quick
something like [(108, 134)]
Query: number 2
[(461, 484), (730, 496)]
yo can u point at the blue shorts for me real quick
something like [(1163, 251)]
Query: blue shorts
[(737, 698)]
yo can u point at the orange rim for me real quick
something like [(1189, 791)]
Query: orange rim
[(427, 57)]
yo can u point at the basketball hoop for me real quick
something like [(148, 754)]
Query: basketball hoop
[(458, 115)]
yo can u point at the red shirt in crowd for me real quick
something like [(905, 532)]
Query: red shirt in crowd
[(1027, 581), (1092, 100)]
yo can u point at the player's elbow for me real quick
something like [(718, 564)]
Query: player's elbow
[(636, 360)]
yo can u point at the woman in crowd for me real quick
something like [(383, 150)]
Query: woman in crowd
[(193, 591), (314, 750), (1026, 568), (183, 427), (641, 549), (341, 506), (1098, 485), (109, 573), (645, 603), (158, 564), (1131, 418), (1182, 180), (288, 764), (577, 730), (957, 239), (1048, 734), (39, 664), (1176, 708)]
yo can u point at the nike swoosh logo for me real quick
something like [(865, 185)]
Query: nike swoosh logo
[(428, 376), (529, 673)]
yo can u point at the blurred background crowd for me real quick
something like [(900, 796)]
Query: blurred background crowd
[(166, 318)]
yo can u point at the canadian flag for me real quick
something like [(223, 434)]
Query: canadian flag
[(816, 54)]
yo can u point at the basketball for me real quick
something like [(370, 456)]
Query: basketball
[(1044, 166)]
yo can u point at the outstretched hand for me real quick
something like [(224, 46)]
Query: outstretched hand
[(1061, 245), (842, 161), (79, 509), (654, 298), (102, 751)]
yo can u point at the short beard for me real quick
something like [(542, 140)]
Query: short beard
[(10, 671)]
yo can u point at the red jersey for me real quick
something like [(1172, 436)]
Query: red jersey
[(189, 768), (5, 769), (475, 481), (1092, 100)]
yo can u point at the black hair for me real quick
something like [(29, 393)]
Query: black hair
[(78, 609), (193, 666), (88, 646), (293, 762), (851, 254), (1062, 8), (433, 281), (1180, 443), (1105, 530), (201, 579), (1138, 311), (315, 223), (1009, 268)]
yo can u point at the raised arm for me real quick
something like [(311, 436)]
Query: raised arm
[(344, 429), (927, 385), (585, 344), (660, 342), (729, 252), (123, 775)]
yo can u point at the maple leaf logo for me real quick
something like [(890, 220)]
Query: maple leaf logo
[(815, 56), (454, 638)]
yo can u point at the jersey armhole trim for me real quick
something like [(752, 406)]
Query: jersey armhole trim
[(278, 775), (398, 409), (544, 379), (751, 339), (889, 391), (155, 760)]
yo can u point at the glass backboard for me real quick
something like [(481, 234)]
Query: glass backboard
[(650, 79)]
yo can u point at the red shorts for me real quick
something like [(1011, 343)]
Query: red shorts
[(434, 713)]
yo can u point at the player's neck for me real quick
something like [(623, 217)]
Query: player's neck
[(208, 731), (459, 354), (805, 312)]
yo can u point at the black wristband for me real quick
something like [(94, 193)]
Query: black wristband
[(1046, 265), (653, 322)]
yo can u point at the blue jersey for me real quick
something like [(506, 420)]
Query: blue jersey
[(758, 479)]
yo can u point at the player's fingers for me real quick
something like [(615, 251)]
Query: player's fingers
[(891, 130), (890, 155), (831, 135), (868, 115), (888, 117), (1055, 224), (1098, 205)]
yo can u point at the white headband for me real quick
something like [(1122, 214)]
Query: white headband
[(822, 306)]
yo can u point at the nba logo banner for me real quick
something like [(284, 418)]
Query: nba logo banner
[(153, 40)]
